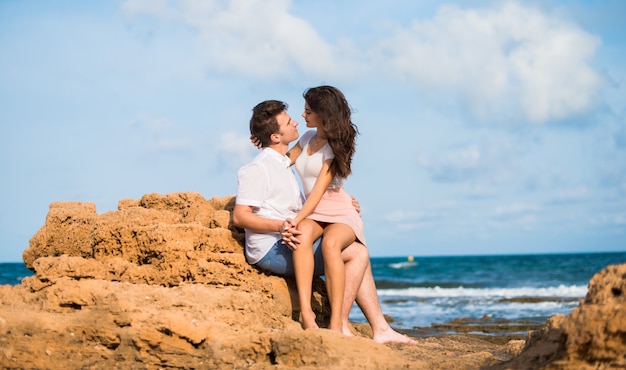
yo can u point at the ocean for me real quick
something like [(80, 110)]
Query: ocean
[(481, 294), (13, 273)]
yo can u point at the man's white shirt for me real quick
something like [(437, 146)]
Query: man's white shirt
[(269, 185)]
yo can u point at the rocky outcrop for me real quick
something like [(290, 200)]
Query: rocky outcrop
[(593, 336), (163, 283)]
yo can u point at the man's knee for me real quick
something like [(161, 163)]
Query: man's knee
[(363, 252), (355, 250)]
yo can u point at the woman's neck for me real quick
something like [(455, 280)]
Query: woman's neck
[(320, 134)]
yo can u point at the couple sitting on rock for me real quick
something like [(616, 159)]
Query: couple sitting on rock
[(322, 235)]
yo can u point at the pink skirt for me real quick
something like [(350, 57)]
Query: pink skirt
[(336, 207)]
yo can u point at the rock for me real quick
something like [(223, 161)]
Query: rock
[(67, 231), (593, 336), (163, 283)]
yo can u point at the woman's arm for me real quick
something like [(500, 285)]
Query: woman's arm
[(294, 152), (312, 200)]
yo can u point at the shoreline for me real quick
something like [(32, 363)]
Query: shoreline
[(496, 331)]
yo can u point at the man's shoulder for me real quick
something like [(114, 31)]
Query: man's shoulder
[(258, 163), (251, 167)]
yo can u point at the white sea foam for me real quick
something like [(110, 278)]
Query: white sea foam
[(403, 265), (420, 307), (562, 291)]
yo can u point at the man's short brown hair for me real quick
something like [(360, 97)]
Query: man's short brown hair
[(263, 122)]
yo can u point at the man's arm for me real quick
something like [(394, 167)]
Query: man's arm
[(244, 217)]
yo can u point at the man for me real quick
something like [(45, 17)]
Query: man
[(268, 194)]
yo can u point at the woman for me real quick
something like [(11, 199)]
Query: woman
[(323, 157)]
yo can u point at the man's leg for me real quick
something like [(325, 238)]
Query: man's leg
[(367, 299), (360, 286), (355, 258)]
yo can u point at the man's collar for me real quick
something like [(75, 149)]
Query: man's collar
[(283, 158)]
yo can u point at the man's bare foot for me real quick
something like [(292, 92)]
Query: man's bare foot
[(392, 336)]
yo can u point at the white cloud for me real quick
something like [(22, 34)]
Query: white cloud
[(502, 62), (516, 210), (480, 191), (257, 38), (506, 64), (470, 160), (572, 195), (610, 219), (411, 219), (234, 150), (402, 216), (151, 124), (160, 135)]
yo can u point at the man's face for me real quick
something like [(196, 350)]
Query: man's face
[(288, 128)]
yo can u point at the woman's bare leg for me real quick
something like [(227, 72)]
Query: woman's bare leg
[(336, 238), (303, 263)]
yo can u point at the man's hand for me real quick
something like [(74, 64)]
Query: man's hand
[(290, 234), (356, 205)]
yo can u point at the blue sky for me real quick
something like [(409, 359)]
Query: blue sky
[(486, 127)]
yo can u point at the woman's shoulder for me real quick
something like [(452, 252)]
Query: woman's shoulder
[(328, 152)]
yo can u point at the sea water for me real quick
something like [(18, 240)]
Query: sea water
[(13, 273), (422, 291)]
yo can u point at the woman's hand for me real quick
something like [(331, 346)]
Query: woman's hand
[(256, 142), (290, 234)]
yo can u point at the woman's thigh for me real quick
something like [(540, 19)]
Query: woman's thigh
[(338, 236)]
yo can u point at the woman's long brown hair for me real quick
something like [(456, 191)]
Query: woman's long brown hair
[(332, 106)]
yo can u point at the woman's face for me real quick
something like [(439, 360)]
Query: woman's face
[(312, 119)]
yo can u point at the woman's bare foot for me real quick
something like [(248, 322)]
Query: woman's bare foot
[(336, 328), (308, 320), (345, 330), (391, 336)]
